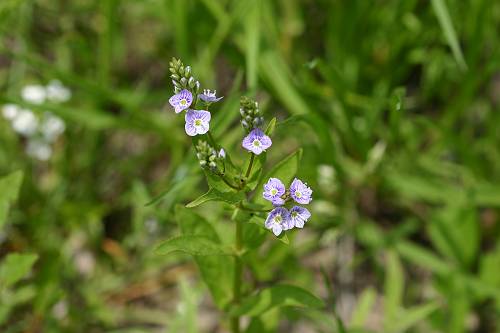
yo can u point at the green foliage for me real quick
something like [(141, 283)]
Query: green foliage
[(390, 112), (277, 296), (14, 267), (9, 190), (192, 244)]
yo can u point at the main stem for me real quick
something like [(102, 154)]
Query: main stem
[(238, 271)]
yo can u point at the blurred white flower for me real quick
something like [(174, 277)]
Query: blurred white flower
[(85, 262), (35, 94), (57, 92), (25, 122), (10, 111), (151, 225), (52, 126), (39, 149), (60, 309)]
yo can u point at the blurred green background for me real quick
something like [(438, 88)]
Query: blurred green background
[(396, 104)]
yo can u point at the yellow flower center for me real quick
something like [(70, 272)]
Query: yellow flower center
[(256, 143), (197, 122), (274, 191), (183, 101), (278, 219), (298, 194)]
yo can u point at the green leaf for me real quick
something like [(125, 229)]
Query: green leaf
[(192, 244), (252, 32), (14, 267), (284, 170), (9, 191), (394, 285), (444, 19), (216, 271), (271, 127), (423, 257), (363, 307), (277, 296), (410, 317), (214, 195)]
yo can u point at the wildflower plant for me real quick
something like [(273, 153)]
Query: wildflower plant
[(263, 205)]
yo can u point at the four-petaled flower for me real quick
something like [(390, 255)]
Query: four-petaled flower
[(300, 192), (277, 219), (273, 190), (209, 97), (256, 141), (181, 101), (299, 216), (197, 122)]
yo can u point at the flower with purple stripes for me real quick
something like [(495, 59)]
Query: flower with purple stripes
[(256, 141), (277, 220), (197, 122), (181, 101), (273, 190), (300, 192), (209, 97), (299, 216)]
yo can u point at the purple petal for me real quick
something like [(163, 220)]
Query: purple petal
[(277, 229), (190, 129), (299, 216), (174, 100), (300, 192)]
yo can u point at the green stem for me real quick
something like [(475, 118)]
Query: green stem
[(250, 165), (238, 272), (211, 139)]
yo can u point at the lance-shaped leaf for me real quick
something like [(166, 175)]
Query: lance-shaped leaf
[(9, 190), (277, 296), (14, 267), (192, 244), (216, 271), (214, 195)]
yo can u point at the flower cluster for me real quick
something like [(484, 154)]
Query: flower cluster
[(39, 131), (185, 87), (251, 119), (280, 218), (197, 122)]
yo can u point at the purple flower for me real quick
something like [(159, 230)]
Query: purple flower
[(222, 153), (181, 101), (209, 97), (197, 122), (256, 141), (300, 192), (277, 220), (273, 190), (299, 216)]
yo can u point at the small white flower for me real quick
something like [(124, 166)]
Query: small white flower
[(39, 149), (25, 123), (10, 111), (35, 94), (57, 92), (52, 126)]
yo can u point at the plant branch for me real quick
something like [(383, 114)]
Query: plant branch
[(238, 272)]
